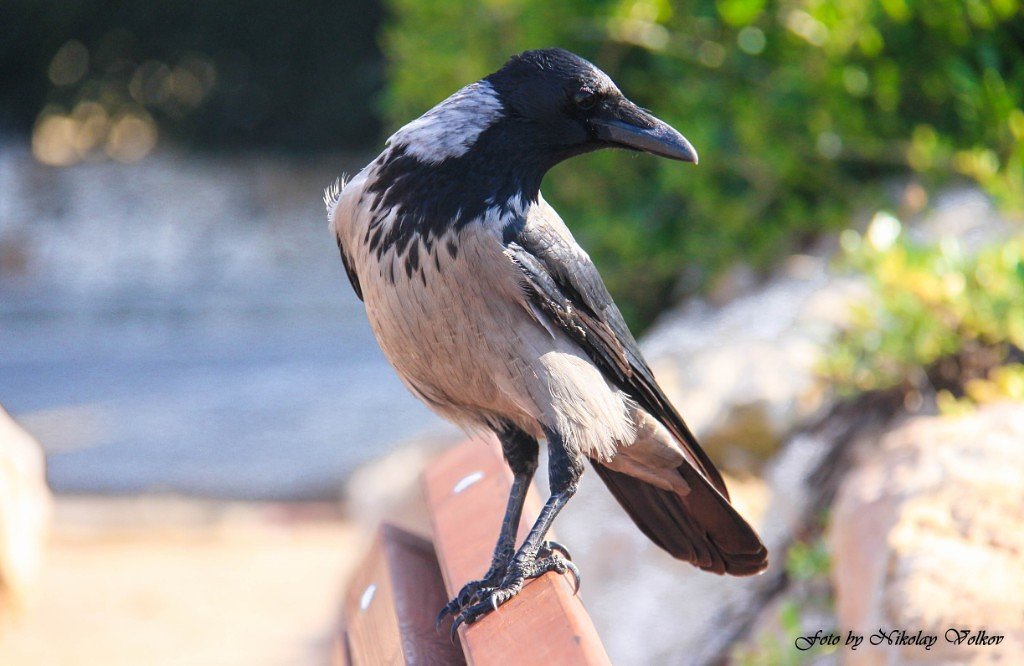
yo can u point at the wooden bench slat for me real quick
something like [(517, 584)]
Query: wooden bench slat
[(371, 622), (466, 490), (392, 603)]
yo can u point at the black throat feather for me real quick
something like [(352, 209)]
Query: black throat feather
[(500, 171)]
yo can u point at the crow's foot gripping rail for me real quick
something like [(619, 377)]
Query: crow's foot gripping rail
[(398, 590)]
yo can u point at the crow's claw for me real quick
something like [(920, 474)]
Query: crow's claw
[(553, 562), (548, 547), (464, 598), (575, 575), (470, 593), (455, 627), (488, 599), (487, 605), (450, 608)]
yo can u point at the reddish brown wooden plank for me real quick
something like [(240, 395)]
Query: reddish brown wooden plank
[(467, 488), (392, 603), (371, 624), (419, 592)]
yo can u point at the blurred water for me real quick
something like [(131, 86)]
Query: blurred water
[(184, 324)]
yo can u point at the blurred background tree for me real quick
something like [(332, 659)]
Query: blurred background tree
[(225, 74), (800, 108)]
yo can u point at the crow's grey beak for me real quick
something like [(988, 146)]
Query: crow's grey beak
[(629, 126)]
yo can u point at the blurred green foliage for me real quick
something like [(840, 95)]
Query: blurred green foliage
[(235, 73), (797, 107), (808, 560), (930, 304), (777, 647), (810, 598)]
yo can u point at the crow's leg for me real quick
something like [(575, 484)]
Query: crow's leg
[(520, 450), (565, 466)]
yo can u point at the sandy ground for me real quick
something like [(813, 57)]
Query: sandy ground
[(166, 581)]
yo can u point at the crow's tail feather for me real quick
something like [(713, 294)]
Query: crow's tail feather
[(701, 527)]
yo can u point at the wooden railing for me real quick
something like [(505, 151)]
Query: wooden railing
[(396, 593)]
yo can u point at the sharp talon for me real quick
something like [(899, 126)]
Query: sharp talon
[(445, 612), (454, 636), (556, 547), (494, 601), (575, 575), (450, 608)]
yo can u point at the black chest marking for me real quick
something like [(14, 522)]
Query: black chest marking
[(431, 199)]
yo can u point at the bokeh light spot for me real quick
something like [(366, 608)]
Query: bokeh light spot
[(856, 81), (69, 64), (751, 40), (132, 137), (53, 139), (830, 145), (711, 54), (883, 230)]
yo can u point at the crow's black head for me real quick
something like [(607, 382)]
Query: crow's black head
[(561, 104), (488, 146)]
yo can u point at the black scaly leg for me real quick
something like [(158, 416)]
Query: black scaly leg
[(520, 451), (565, 466)]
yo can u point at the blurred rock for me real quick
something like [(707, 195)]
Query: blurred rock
[(733, 283), (928, 533), (966, 214), (390, 487), (744, 375), (25, 511)]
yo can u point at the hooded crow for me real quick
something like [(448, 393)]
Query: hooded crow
[(493, 316)]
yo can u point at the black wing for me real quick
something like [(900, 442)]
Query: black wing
[(350, 271), (563, 282), (701, 527)]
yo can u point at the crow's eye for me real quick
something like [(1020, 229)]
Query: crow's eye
[(584, 98)]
